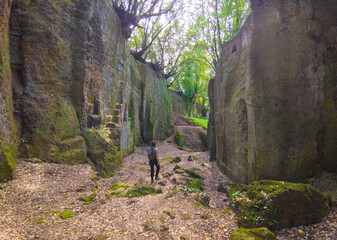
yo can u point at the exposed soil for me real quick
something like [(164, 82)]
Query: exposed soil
[(31, 203)]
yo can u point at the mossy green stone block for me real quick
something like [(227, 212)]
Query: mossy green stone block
[(277, 204)]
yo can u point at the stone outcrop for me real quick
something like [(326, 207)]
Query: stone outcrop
[(8, 129), (77, 91), (277, 205), (274, 105)]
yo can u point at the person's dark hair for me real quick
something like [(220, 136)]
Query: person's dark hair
[(153, 144)]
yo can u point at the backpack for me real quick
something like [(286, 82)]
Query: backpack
[(151, 153)]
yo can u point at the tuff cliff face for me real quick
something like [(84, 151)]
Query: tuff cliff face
[(274, 105), (179, 103), (8, 143), (78, 94)]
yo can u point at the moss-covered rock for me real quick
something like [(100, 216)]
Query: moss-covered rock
[(166, 159), (278, 205), (179, 139), (252, 234), (104, 150)]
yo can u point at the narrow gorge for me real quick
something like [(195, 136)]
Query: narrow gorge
[(79, 107)]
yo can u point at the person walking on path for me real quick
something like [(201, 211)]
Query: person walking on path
[(154, 160)]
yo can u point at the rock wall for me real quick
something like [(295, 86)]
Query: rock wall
[(78, 94), (275, 93), (179, 104), (8, 134)]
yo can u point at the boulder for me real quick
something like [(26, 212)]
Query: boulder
[(252, 234), (277, 205)]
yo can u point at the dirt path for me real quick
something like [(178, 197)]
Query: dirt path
[(31, 203)]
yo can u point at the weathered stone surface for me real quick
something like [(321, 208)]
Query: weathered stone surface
[(72, 75), (278, 205), (179, 104), (211, 141), (8, 134), (252, 234), (274, 95)]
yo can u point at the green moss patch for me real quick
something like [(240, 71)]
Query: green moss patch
[(166, 159), (194, 185), (141, 190), (252, 234), (277, 205), (132, 191), (87, 199), (179, 139), (66, 213), (172, 192), (119, 185)]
